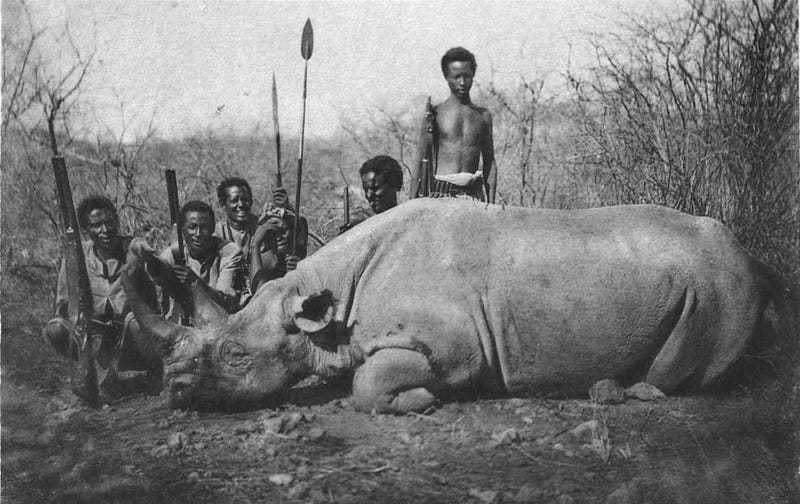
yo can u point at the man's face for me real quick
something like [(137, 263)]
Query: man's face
[(197, 230), (283, 236), (101, 227), (238, 202), (378, 191), (459, 78)]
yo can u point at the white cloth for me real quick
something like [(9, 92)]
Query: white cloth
[(462, 179)]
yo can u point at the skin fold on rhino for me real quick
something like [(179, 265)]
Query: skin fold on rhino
[(435, 297)]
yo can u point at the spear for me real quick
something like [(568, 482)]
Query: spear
[(276, 125), (306, 48)]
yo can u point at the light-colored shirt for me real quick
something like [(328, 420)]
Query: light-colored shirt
[(108, 295), (217, 270)]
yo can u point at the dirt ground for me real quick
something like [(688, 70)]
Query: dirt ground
[(736, 446)]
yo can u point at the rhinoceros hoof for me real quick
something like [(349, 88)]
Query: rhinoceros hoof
[(416, 399), (644, 392)]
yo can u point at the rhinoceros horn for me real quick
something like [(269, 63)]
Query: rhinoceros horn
[(163, 332)]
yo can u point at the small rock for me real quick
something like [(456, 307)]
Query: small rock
[(281, 479), (245, 428), (528, 493), (177, 440), (299, 491), (274, 425), (193, 476), (89, 446), (161, 450), (315, 434), (290, 421), (200, 446), (302, 471), (586, 430), (488, 496), (405, 437), (644, 392), (362, 452), (517, 402), (507, 436), (78, 471), (607, 392)]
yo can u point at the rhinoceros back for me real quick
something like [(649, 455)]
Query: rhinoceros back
[(549, 300)]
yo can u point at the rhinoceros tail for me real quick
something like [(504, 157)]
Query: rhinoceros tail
[(771, 349)]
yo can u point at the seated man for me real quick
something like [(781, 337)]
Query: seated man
[(119, 345), (381, 180), (208, 259), (236, 199), (456, 138), (274, 238)]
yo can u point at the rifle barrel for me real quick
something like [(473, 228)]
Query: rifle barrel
[(174, 211)]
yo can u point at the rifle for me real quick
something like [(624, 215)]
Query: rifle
[(175, 221), (426, 173), (80, 292)]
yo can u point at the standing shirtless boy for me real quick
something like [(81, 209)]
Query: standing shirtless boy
[(460, 138)]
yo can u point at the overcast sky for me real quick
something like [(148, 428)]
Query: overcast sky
[(209, 64)]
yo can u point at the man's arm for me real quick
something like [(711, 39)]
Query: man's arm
[(230, 260), (489, 164)]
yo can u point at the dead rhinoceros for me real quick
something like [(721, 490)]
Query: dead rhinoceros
[(438, 297)]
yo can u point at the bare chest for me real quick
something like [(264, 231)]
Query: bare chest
[(461, 124)]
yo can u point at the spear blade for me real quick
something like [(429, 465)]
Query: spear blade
[(307, 43), (276, 126)]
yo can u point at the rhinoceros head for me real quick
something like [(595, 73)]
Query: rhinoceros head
[(241, 361)]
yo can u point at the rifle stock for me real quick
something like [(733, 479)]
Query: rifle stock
[(426, 174), (80, 292)]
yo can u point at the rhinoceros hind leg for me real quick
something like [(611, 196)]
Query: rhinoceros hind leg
[(677, 359), (394, 380)]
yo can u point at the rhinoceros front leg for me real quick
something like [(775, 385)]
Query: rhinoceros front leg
[(394, 380)]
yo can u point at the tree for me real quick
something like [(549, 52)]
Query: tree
[(40, 96), (698, 111)]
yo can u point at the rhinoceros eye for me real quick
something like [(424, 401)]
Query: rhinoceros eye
[(235, 355)]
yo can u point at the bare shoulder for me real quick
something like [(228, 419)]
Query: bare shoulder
[(483, 111)]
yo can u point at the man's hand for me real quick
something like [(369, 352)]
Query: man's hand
[(184, 274), (280, 198), (267, 232), (291, 262), (141, 249)]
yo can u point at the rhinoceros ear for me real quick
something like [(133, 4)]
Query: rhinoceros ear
[(313, 313)]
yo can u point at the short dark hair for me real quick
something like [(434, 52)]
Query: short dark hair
[(94, 202), (195, 206), (458, 54), (387, 166), (231, 182)]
